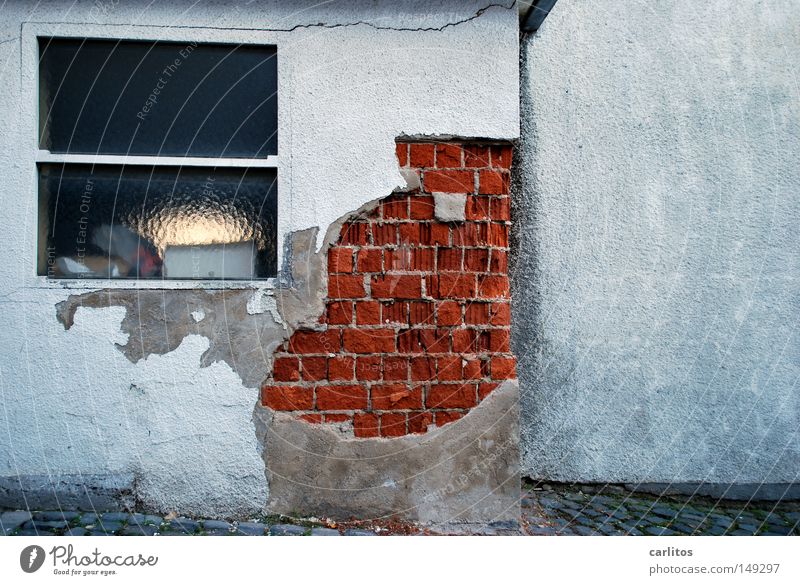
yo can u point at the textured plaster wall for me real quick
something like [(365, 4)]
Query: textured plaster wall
[(656, 288), (175, 411)]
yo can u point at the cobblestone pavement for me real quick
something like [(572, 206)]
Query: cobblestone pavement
[(611, 510), (546, 510)]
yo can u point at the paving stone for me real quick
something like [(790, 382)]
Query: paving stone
[(46, 525), (655, 530), (89, 518), (584, 530), (115, 517), (286, 530), (775, 529), (99, 533), (108, 527), (324, 532), (715, 530), (135, 518), (77, 531), (27, 532), (251, 528), (216, 525), (139, 530), (184, 525), (681, 528), (10, 521), (152, 519), (355, 532), (55, 516)]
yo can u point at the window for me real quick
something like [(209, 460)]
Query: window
[(157, 160)]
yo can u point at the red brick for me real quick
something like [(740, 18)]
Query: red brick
[(451, 396), (434, 340), (394, 313), (449, 259), (384, 234), (369, 340), (498, 235), (485, 389), (501, 208), (465, 341), (493, 287), (311, 418), (418, 422), (286, 369), (287, 397), (499, 340), (402, 153), (342, 397), (499, 261), (337, 418), (477, 314), (422, 207), (444, 417), (476, 156), (395, 368), (471, 234), (368, 313), (448, 313), (396, 287), (340, 313), (393, 424), (477, 208), (369, 259), (439, 234), (503, 368), (342, 286), (340, 368), (501, 156), (449, 368), (410, 259), (365, 424), (395, 397), (473, 370), (340, 260), (305, 341), (395, 208), (448, 156), (500, 314), (421, 313), (408, 341), (493, 183), (314, 369), (355, 234), (368, 369), (476, 259), (423, 369), (453, 285), (449, 181), (422, 155)]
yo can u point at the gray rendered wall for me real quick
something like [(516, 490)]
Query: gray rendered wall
[(656, 293)]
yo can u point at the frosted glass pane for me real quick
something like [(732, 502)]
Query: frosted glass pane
[(109, 221)]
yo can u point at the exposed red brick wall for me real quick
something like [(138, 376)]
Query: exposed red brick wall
[(417, 319)]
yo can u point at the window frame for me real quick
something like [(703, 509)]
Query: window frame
[(29, 109)]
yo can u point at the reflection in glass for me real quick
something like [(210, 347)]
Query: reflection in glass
[(109, 221)]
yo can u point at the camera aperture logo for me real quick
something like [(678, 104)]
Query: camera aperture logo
[(66, 562), (31, 558)]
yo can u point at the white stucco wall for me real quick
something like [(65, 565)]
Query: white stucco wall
[(656, 294), (356, 76)]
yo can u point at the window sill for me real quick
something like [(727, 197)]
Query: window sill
[(136, 284)]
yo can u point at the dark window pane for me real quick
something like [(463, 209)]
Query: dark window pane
[(109, 221), (151, 98)]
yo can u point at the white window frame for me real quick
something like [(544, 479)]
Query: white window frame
[(29, 71)]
